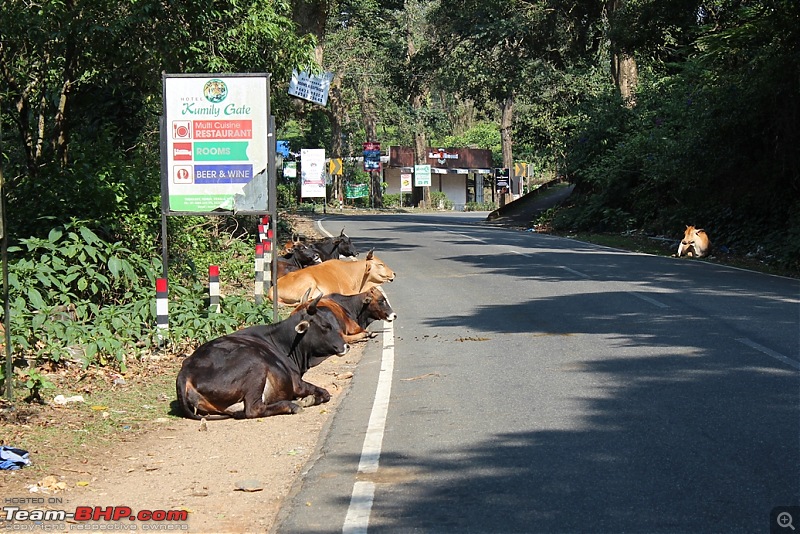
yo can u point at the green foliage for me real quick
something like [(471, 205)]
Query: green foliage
[(192, 323), (35, 383), (439, 201), (396, 200), (75, 297)]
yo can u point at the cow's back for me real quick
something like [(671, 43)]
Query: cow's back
[(332, 276)]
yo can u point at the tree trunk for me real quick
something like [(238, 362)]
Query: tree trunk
[(506, 121), (370, 130), (335, 113), (626, 77), (624, 70)]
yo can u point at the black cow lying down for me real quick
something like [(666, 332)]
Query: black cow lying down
[(258, 371)]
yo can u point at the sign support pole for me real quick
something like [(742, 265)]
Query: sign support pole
[(272, 206), (9, 371)]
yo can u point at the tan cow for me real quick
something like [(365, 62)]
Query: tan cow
[(333, 276), (695, 243)]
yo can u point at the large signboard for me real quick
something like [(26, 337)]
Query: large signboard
[(312, 173), (216, 129)]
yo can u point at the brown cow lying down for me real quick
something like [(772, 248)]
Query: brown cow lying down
[(356, 312), (694, 244), (332, 276), (258, 371)]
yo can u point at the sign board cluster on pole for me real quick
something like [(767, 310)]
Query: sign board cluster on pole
[(502, 179), (372, 157)]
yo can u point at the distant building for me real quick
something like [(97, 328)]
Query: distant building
[(460, 173)]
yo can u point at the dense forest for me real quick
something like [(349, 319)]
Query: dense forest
[(663, 113)]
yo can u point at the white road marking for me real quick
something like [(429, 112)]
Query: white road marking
[(654, 302), (357, 519), (576, 273), (769, 352)]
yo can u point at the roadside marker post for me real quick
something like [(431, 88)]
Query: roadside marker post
[(162, 311), (213, 289), (259, 287)]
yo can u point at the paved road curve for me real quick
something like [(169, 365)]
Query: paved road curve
[(539, 384)]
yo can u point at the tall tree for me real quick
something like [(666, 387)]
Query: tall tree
[(487, 49)]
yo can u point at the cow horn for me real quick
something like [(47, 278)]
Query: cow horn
[(306, 296), (312, 308), (342, 234), (369, 254)]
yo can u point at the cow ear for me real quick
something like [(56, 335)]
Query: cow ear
[(369, 254), (368, 299), (301, 327)]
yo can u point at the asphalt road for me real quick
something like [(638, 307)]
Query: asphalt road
[(538, 384)]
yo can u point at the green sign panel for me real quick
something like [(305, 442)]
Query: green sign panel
[(220, 151)]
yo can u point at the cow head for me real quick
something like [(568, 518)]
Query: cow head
[(377, 306), (689, 235), (318, 332), (376, 271), (305, 255), (695, 243), (344, 245)]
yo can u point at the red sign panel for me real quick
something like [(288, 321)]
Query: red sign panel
[(182, 151)]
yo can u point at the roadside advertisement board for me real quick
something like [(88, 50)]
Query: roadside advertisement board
[(372, 157), (216, 130), (422, 175), (312, 173), (502, 180), (405, 182)]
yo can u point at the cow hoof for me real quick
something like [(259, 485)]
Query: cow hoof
[(305, 402), (295, 408)]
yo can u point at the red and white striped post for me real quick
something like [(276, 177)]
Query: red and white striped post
[(267, 265), (213, 289), (162, 311), (259, 288)]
